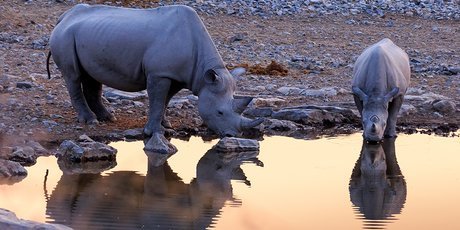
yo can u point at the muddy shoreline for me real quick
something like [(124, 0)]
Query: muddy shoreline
[(314, 54)]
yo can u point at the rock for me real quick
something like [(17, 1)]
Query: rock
[(289, 91), (118, 94), (70, 151), (415, 91), (192, 97), (11, 169), (180, 103), (41, 43), (24, 155), (37, 147), (85, 138), (49, 124), (233, 144), (280, 125), (444, 106), (406, 110), (136, 134), (237, 37), (267, 102), (139, 104), (425, 97), (24, 85), (9, 220), (324, 92), (56, 116), (304, 116), (311, 114), (258, 112), (85, 151), (454, 69)]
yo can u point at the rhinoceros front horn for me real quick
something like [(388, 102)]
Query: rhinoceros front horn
[(240, 103), (249, 123)]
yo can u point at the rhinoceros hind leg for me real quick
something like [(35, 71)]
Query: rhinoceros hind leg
[(92, 90), (159, 144), (393, 109), (73, 83)]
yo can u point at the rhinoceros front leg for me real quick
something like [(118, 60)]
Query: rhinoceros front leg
[(393, 110), (157, 90), (73, 82), (172, 91), (92, 90)]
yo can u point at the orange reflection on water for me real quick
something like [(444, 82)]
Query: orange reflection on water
[(303, 184)]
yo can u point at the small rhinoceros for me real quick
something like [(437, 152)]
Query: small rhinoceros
[(163, 50), (381, 77)]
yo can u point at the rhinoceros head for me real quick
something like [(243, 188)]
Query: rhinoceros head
[(217, 106), (374, 114), (373, 165)]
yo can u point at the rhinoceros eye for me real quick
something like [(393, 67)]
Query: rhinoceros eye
[(220, 113)]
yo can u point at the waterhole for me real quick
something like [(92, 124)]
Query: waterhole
[(412, 182)]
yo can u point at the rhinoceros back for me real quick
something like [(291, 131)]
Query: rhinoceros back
[(119, 47), (380, 68)]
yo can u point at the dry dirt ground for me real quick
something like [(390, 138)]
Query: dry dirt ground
[(333, 40)]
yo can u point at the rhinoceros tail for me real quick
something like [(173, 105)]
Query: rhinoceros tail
[(48, 64)]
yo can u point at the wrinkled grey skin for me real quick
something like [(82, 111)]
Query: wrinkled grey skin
[(381, 77), (162, 50)]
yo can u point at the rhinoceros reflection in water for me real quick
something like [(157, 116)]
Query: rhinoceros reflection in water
[(159, 200), (377, 186)]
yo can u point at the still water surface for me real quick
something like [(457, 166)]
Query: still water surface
[(329, 183)]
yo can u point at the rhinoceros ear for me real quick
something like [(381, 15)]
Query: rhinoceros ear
[(389, 96), (211, 77), (240, 103), (358, 92), (238, 71)]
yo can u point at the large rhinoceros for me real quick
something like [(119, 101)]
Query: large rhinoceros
[(163, 50), (381, 77)]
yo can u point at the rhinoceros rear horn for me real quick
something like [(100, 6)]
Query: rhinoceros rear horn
[(240, 103), (248, 123), (391, 94), (358, 92)]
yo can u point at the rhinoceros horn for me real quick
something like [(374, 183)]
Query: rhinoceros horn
[(240, 103), (247, 123)]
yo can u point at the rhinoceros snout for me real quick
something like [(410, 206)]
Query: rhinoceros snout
[(373, 139)]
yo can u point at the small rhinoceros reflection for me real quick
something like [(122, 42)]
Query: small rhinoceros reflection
[(159, 200), (377, 186)]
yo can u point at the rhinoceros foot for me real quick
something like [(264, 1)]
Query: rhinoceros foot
[(159, 144), (88, 118), (106, 117)]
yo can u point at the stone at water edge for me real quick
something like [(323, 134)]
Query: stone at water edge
[(9, 220), (232, 144), (10, 169), (444, 106), (133, 133), (85, 151), (24, 155)]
